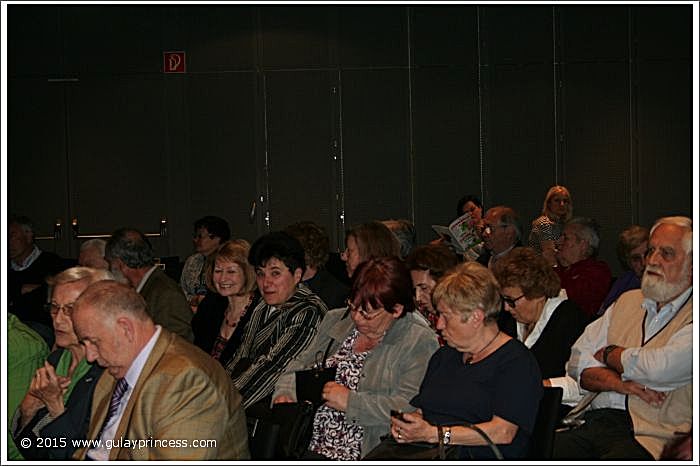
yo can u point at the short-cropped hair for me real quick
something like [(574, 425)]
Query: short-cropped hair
[(22, 220), (281, 246), (374, 239), (314, 240), (131, 247), (525, 268), (630, 238), (236, 251), (464, 199), (112, 298), (467, 287), (216, 226), (435, 258), (405, 233), (683, 222), (587, 229), (382, 282), (76, 274)]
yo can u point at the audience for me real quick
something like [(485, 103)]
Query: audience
[(156, 388), (557, 209), (57, 404), (282, 325), (131, 260), (380, 349), (222, 316), (92, 254), (631, 248), (585, 279), (638, 358), (548, 322), (501, 233), (28, 269), (314, 240), (481, 377), (368, 240), (427, 264), (209, 233), (26, 351)]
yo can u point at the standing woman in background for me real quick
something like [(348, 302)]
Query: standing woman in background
[(209, 233), (546, 229), (366, 241)]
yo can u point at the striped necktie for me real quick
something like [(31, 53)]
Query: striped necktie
[(117, 395)]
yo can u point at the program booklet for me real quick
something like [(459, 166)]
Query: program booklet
[(462, 233)]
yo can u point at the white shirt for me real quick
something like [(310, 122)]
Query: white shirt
[(572, 395), (145, 278), (661, 369), (132, 376)]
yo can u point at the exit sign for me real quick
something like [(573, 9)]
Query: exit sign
[(173, 62)]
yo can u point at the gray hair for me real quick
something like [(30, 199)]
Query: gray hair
[(405, 233), (76, 274), (508, 217), (587, 229), (96, 243), (679, 221), (131, 247), (25, 222)]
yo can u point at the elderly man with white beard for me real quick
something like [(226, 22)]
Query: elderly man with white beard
[(638, 357)]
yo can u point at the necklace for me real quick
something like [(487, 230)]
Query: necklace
[(470, 358), (234, 322)]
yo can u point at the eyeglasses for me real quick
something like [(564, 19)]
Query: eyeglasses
[(511, 301), (488, 229), (365, 315), (53, 308)]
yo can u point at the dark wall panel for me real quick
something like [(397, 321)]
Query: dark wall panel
[(597, 131), (517, 34), (221, 149), (375, 145), (664, 32), (119, 169), (444, 35), (593, 33), (34, 40), (446, 144), (373, 36), (36, 157), (301, 165)]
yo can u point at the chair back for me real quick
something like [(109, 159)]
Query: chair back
[(542, 441)]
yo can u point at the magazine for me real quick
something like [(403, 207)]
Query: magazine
[(462, 233)]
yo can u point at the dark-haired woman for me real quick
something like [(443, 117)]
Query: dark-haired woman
[(380, 349)]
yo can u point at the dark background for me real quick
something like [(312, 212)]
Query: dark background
[(343, 114)]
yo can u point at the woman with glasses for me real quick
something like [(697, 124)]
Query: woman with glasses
[(56, 409), (209, 233), (548, 322), (481, 377), (557, 209), (380, 349)]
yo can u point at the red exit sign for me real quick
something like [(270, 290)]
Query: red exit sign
[(173, 62)]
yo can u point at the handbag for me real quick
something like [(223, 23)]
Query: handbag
[(310, 382), (390, 449)]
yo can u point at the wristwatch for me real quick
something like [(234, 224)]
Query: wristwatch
[(606, 352), (446, 435)]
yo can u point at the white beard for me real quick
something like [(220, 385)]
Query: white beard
[(659, 290)]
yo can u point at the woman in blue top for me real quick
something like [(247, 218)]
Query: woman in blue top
[(481, 377)]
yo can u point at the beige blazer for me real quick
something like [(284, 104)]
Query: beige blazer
[(182, 396)]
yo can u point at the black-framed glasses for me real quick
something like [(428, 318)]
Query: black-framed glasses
[(53, 308), (365, 315), (511, 301)]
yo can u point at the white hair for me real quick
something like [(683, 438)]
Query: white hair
[(679, 221)]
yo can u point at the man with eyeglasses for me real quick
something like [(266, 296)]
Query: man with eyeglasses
[(501, 233), (638, 357)]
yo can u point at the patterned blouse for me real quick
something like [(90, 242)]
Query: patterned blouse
[(332, 436), (192, 280), (544, 229)]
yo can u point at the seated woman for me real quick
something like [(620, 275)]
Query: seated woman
[(368, 240), (222, 315), (557, 209), (57, 405), (548, 323), (381, 350), (209, 233), (481, 377), (631, 248)]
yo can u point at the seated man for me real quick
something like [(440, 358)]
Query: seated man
[(638, 357), (29, 268), (501, 233), (165, 395), (283, 323), (314, 240), (585, 279), (131, 260)]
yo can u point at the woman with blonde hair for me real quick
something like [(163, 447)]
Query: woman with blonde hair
[(557, 209)]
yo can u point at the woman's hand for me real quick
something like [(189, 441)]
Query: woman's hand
[(413, 428), (49, 388), (282, 399), (335, 396)]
